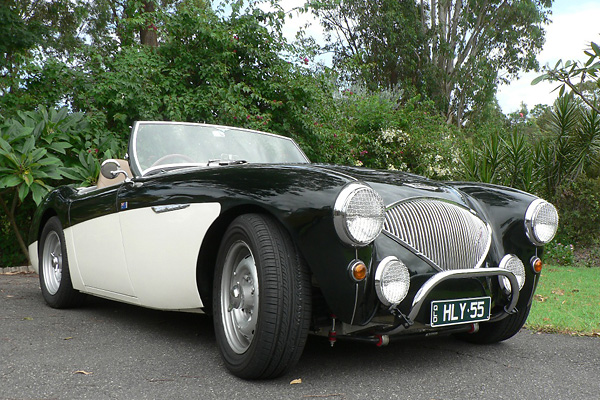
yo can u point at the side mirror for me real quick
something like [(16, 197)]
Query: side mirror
[(110, 169)]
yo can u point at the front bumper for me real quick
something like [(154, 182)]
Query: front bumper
[(421, 298)]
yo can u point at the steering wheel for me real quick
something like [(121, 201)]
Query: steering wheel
[(169, 156)]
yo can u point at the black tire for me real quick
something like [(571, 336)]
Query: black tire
[(494, 332), (55, 278), (261, 299)]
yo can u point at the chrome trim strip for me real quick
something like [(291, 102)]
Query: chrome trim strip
[(416, 252), (427, 288), (355, 303), (170, 207)]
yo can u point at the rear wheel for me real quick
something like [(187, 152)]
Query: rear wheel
[(261, 299), (493, 332), (55, 278)]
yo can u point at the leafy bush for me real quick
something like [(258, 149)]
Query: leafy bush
[(579, 206), (538, 161), (357, 127), (561, 254), (40, 149)]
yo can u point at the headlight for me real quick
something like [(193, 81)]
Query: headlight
[(392, 281), (358, 214), (541, 222), (512, 263)]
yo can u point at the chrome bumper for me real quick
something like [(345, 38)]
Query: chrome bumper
[(430, 285)]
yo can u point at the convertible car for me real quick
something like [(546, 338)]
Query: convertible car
[(239, 224)]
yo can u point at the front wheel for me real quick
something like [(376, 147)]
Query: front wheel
[(261, 299), (493, 332), (55, 278)]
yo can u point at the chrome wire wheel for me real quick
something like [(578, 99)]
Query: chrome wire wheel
[(52, 262), (239, 297)]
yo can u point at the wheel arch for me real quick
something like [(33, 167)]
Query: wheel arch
[(49, 213), (209, 249)]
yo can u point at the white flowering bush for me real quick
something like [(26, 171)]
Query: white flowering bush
[(374, 131)]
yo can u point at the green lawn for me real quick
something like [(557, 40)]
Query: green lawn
[(567, 300)]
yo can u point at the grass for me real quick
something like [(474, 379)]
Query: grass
[(567, 300)]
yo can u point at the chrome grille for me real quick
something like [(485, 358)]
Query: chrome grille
[(447, 234)]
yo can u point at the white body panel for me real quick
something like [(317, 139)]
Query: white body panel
[(99, 254), (33, 256), (162, 250), (139, 256), (76, 279)]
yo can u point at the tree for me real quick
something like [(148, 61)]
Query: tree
[(115, 24), (375, 43), (456, 48), (33, 33), (588, 74)]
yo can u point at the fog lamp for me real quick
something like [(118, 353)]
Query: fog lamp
[(392, 281), (512, 263)]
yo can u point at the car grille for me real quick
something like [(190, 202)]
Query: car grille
[(447, 234)]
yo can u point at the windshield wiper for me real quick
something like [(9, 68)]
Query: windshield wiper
[(226, 162)]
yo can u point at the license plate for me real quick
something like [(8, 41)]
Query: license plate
[(454, 312)]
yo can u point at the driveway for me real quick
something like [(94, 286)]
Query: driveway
[(108, 350)]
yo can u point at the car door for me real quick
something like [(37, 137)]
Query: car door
[(98, 245), (162, 232)]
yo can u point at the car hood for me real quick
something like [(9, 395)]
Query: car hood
[(394, 186), (320, 182)]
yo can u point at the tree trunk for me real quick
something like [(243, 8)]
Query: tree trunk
[(148, 35), (13, 224)]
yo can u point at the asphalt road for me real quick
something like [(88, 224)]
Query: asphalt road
[(108, 350)]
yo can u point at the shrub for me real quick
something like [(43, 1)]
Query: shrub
[(561, 254), (358, 127), (579, 206), (38, 150)]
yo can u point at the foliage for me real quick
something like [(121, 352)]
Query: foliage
[(371, 129), (368, 44), (558, 253), (207, 68), (509, 161), (11, 252), (38, 149), (540, 162), (566, 72), (579, 205), (574, 143), (26, 150), (34, 35)]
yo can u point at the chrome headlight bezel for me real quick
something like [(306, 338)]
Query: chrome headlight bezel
[(533, 222), (391, 268), (354, 226)]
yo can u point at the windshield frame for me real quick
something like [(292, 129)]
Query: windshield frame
[(139, 172)]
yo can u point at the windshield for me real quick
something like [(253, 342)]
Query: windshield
[(159, 146)]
